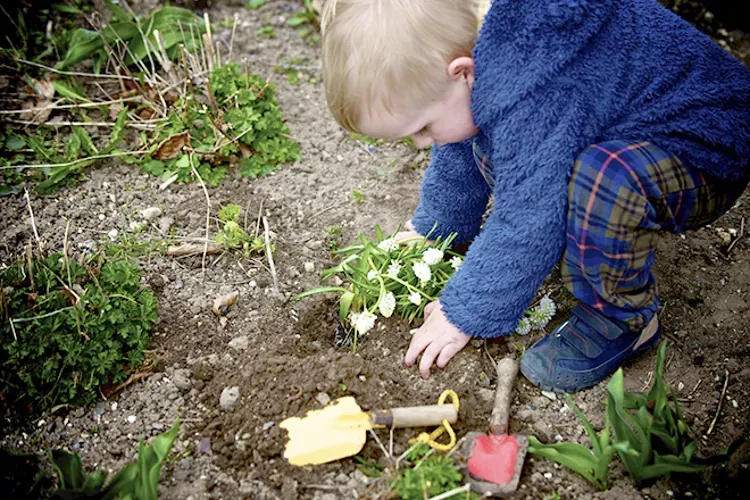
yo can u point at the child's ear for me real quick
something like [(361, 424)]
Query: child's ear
[(461, 67)]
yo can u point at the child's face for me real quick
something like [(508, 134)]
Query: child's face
[(441, 122)]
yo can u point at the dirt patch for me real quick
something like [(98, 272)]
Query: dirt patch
[(279, 352)]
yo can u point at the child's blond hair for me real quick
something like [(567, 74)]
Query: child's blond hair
[(391, 52)]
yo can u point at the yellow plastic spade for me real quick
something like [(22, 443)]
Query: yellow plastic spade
[(340, 429)]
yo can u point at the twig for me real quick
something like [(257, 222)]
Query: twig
[(461, 489), (75, 73), (269, 255), (648, 381), (33, 224), (41, 316), (696, 387), (738, 238), (81, 160), (390, 442), (380, 443), (69, 106), (721, 400), (12, 329), (208, 216), (139, 126), (403, 455)]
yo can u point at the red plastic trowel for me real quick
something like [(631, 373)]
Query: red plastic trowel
[(495, 458)]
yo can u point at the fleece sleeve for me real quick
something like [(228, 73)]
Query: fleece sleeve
[(520, 242), (454, 194)]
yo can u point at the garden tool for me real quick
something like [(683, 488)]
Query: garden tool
[(495, 458), (340, 429)]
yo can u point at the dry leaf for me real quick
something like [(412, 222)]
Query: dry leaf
[(222, 303), (43, 92), (114, 110), (172, 146), (191, 249)]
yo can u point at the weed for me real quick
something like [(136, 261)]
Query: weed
[(267, 31), (357, 196), (243, 126), (138, 480), (255, 4), (68, 328), (368, 467), (232, 236), (306, 15), (430, 475), (136, 36)]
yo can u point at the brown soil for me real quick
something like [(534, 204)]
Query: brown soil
[(290, 359)]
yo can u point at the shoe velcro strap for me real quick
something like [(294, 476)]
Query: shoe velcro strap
[(578, 336), (598, 322)]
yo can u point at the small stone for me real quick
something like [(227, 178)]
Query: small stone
[(112, 235), (181, 379), (735, 403), (548, 475), (228, 397), (267, 425), (151, 213), (549, 395), (323, 398), (204, 447), (158, 426), (131, 419), (240, 343), (558, 438), (541, 431), (165, 224), (680, 386), (114, 406), (536, 477), (102, 216), (309, 267)]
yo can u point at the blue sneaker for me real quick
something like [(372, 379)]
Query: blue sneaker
[(583, 351)]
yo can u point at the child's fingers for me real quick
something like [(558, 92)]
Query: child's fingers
[(429, 308), (447, 354), (418, 344), (429, 356), (408, 226)]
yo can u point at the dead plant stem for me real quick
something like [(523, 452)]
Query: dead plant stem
[(721, 401), (208, 215), (269, 256), (33, 224)]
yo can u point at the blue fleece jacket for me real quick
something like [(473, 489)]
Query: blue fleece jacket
[(552, 77)]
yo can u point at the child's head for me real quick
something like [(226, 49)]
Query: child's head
[(392, 65)]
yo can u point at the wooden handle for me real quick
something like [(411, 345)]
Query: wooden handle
[(507, 369), (415, 416)]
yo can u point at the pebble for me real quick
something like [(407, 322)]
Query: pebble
[(165, 224), (267, 425), (228, 397), (112, 235), (158, 426), (240, 343), (549, 395), (181, 379), (548, 475), (309, 267), (486, 395), (151, 213), (541, 431), (131, 419), (102, 216), (323, 398), (536, 477)]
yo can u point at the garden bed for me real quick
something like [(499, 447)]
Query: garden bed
[(280, 352)]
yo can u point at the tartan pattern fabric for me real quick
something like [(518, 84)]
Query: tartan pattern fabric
[(619, 195)]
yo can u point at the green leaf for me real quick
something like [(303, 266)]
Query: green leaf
[(69, 469), (66, 91), (345, 305), (14, 143), (255, 4), (586, 425)]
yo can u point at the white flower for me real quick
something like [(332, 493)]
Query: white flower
[(548, 306), (372, 275), (456, 262), (422, 271), (432, 256), (387, 305), (524, 326), (363, 322), (388, 245), (393, 269), (415, 298)]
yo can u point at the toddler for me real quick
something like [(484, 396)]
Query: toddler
[(594, 124)]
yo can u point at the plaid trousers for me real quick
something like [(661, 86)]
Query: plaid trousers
[(620, 195)]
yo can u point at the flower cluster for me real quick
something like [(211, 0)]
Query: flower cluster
[(538, 317)]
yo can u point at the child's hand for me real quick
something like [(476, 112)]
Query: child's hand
[(408, 234), (438, 338)]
